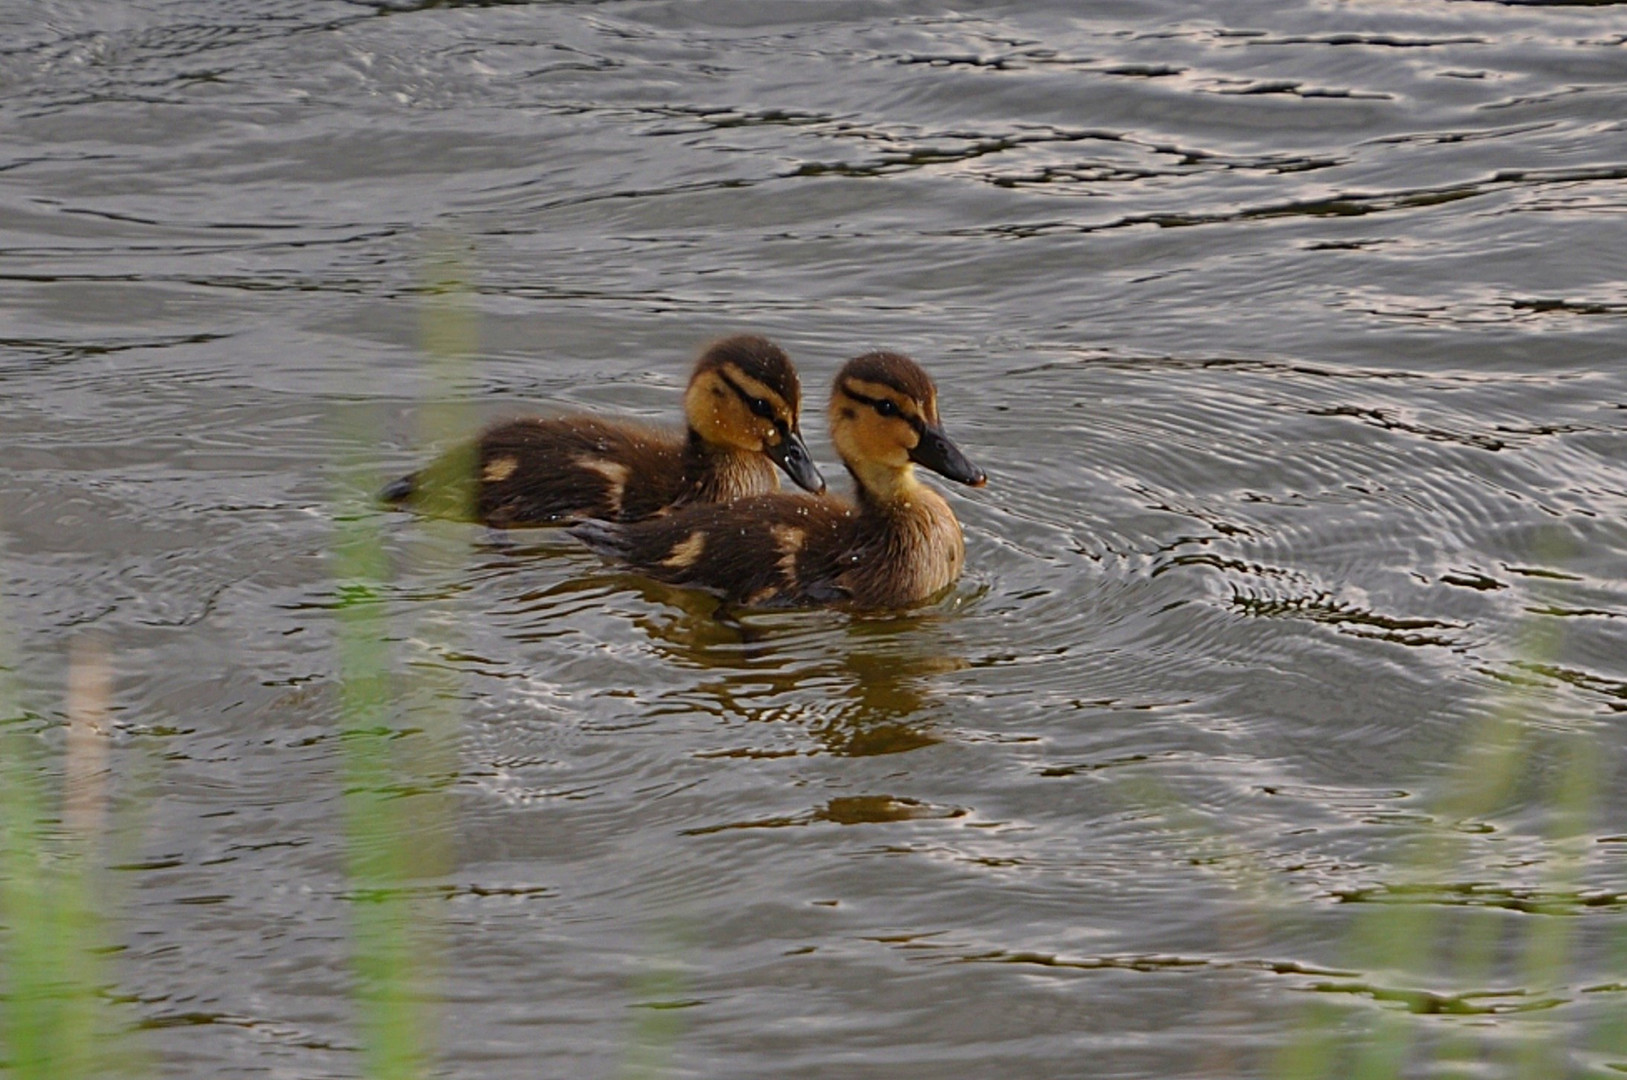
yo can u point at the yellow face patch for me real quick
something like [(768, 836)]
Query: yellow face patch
[(864, 436), (718, 413)]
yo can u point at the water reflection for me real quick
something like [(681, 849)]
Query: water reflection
[(858, 687), (846, 810), (854, 692), (883, 699)]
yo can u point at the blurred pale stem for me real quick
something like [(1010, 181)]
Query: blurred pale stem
[(84, 799)]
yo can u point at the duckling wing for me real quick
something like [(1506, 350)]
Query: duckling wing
[(549, 471), (764, 551)]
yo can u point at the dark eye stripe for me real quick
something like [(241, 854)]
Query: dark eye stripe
[(760, 406), (891, 408)]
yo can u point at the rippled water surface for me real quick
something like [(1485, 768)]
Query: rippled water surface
[(1292, 336)]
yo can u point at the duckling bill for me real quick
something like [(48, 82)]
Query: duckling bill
[(895, 544), (742, 407)]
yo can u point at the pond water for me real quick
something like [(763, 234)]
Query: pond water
[(1280, 711)]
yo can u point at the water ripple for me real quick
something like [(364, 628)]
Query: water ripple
[(1289, 336)]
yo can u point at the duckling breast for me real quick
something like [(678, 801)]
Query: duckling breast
[(915, 552)]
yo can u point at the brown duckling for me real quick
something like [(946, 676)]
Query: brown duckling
[(742, 405), (896, 543)]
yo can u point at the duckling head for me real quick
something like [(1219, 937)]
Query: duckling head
[(745, 395), (884, 422)]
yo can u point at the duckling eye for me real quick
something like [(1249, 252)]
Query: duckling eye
[(762, 408), (886, 408)]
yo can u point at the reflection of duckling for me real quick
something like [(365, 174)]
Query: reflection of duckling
[(896, 544), (742, 406)]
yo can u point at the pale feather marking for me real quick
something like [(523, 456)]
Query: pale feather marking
[(499, 469), (615, 474), (789, 540), (686, 552)]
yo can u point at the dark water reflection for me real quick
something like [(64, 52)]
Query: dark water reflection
[(1292, 338)]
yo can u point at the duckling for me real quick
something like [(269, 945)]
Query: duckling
[(742, 405), (896, 543)]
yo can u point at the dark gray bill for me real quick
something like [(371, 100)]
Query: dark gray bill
[(791, 455), (937, 453)]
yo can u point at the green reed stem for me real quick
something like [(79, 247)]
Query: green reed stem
[(1548, 947), (397, 775), (54, 1020), (1401, 936), (382, 859), (658, 1002), (1611, 1036), (49, 1005)]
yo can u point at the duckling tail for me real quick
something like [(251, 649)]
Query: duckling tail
[(606, 538), (399, 491)]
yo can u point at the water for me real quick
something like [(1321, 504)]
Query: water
[(1291, 336)]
